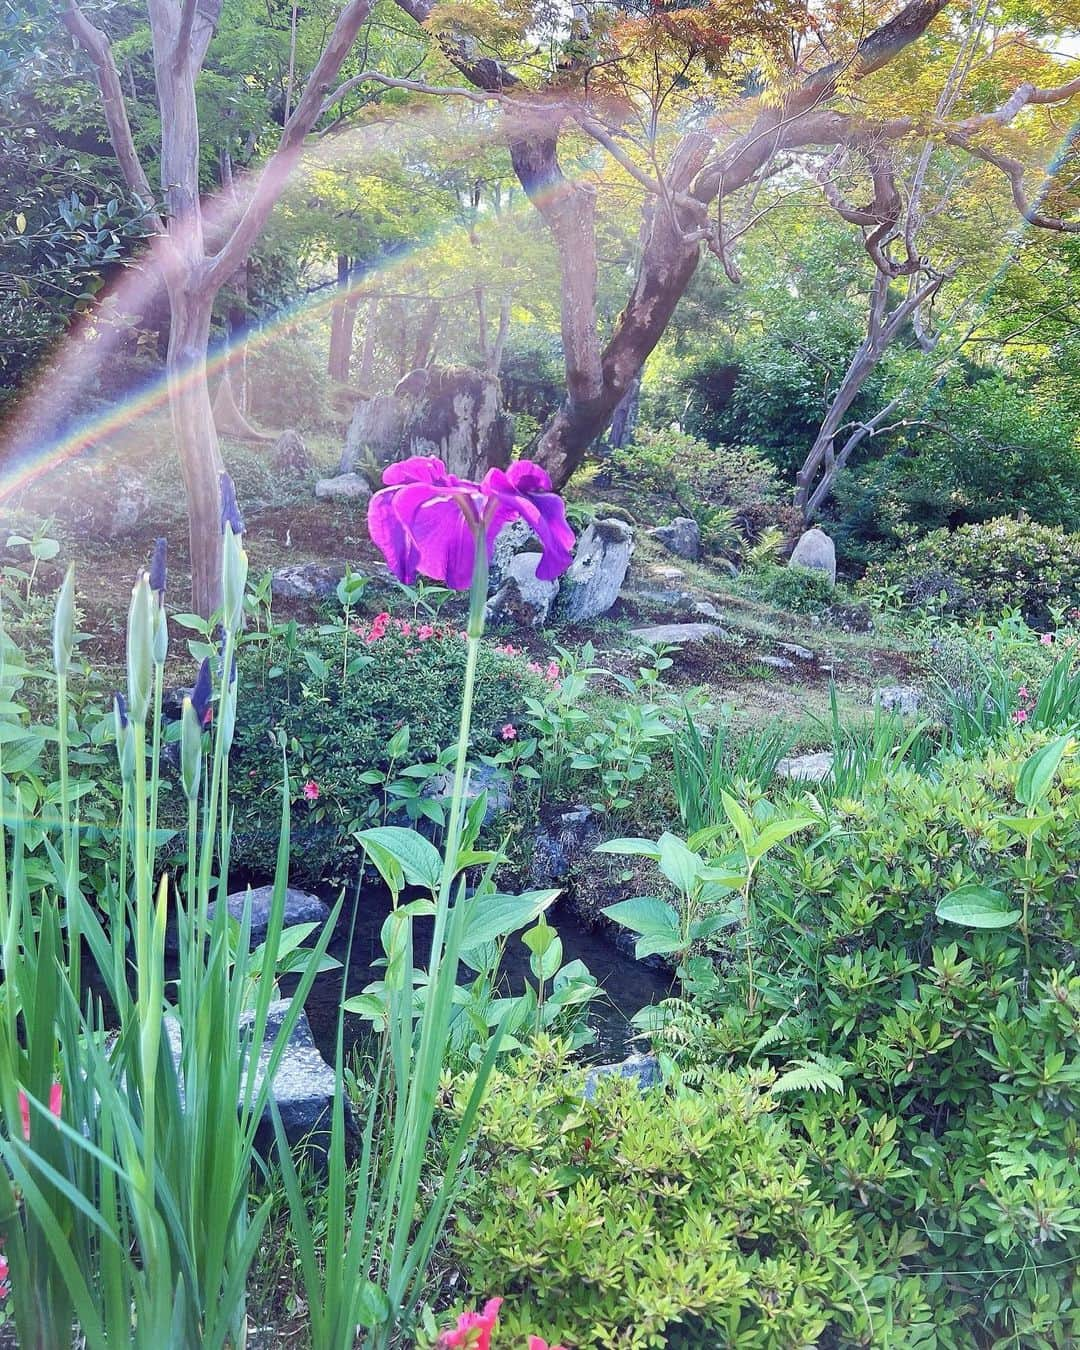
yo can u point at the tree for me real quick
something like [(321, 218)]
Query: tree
[(194, 273), (766, 89)]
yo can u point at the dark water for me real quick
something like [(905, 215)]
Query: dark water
[(626, 986)]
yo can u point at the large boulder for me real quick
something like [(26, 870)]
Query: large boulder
[(596, 575), (817, 551), (682, 537), (483, 778), (523, 599), (453, 412), (104, 503), (299, 908), (905, 699), (806, 768)]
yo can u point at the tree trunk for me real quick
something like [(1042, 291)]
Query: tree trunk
[(196, 439), (341, 326), (365, 374)]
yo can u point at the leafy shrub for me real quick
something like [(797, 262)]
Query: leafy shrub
[(802, 590), (716, 485), (683, 1219), (955, 1140), (346, 736), (989, 568)]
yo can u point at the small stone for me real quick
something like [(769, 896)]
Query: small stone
[(668, 573), (707, 609), (671, 633), (817, 551), (644, 1069), (799, 653), (777, 662), (596, 575), (682, 537), (901, 698), (306, 581), (511, 540), (806, 768), (345, 487), (564, 837)]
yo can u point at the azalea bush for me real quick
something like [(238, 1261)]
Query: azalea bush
[(987, 569), (681, 1216), (918, 991), (362, 708)]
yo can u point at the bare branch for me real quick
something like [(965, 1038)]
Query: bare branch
[(96, 45), (415, 86), (1014, 172)]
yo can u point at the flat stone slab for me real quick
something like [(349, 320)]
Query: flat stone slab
[(901, 698), (806, 768), (345, 486), (663, 633)]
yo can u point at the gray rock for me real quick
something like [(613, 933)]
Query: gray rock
[(596, 575), (682, 537), (523, 598), (707, 609), (511, 540), (304, 1084), (564, 837), (299, 908), (290, 455), (345, 487), (306, 581), (799, 653), (901, 698), (667, 573), (644, 1069), (105, 503), (777, 662), (673, 633), (806, 768), (817, 551), (483, 778)]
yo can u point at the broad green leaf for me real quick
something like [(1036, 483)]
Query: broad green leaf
[(658, 944), (417, 858), (679, 864), (776, 833), (1025, 826), (637, 848), (644, 914), (744, 826), (1038, 772), (977, 906), (489, 917)]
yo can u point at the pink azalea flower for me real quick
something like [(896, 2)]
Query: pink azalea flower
[(311, 790), (1022, 692), (1020, 715), (5, 1284), (425, 631), (482, 1324), (56, 1104), (535, 668), (426, 520), (1046, 639), (404, 628), (509, 732), (551, 674), (538, 1343)]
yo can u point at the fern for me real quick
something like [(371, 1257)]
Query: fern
[(765, 551), (768, 1037), (819, 1073)]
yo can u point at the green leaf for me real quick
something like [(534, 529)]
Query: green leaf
[(489, 917), (775, 833), (645, 914), (637, 848), (681, 865), (1038, 772), (1025, 826), (977, 906), (744, 826), (417, 857), (372, 1307), (658, 944)]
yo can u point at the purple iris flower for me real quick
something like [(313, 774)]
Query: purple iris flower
[(230, 508), (202, 692), (427, 520), (158, 570)]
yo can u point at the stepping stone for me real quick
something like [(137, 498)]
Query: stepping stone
[(806, 768), (666, 633)]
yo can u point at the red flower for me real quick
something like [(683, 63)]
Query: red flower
[(1020, 715), (482, 1324), (311, 790), (5, 1286), (509, 732), (56, 1103), (425, 631)]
